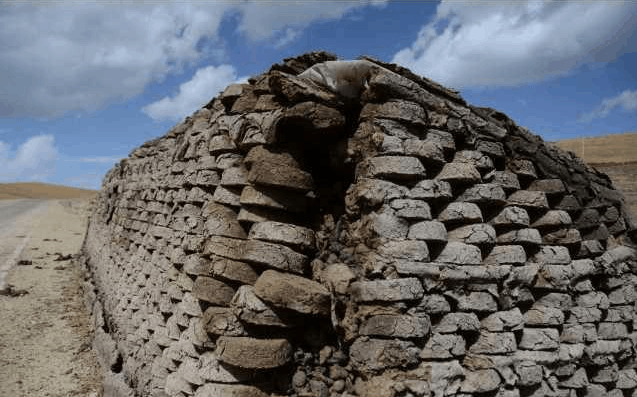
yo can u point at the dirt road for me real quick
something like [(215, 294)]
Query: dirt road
[(12, 209), (45, 330), (16, 220)]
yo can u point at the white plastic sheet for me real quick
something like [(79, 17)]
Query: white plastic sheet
[(347, 78)]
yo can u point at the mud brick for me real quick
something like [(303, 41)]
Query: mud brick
[(477, 234), (455, 173), (226, 247), (405, 289), (525, 237), (481, 161), (578, 333), (540, 315), (411, 209), (505, 179), (431, 190), (222, 389), (455, 322), (443, 346), (529, 199), (539, 339), (494, 343), (293, 292), (234, 177), (214, 291), (553, 219), (273, 255), (222, 221), (277, 175), (566, 237), (459, 212), (429, 152), (522, 167), (252, 310), (370, 355), (251, 353), (228, 196), (486, 194), (399, 110), (396, 326), (475, 301), (222, 321), (231, 270), (221, 144), (480, 381), (275, 199), (548, 186), (506, 255), (392, 168), (589, 218), (460, 253), (510, 320), (432, 231), (283, 233)]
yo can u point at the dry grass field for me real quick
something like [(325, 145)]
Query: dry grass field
[(43, 191), (614, 148), (615, 155)]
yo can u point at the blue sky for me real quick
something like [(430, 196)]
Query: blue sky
[(82, 84)]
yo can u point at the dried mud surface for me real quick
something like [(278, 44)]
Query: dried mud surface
[(46, 331)]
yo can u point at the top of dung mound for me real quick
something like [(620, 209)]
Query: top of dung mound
[(297, 65)]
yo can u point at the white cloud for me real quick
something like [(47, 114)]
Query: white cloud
[(80, 56), (33, 160), (287, 37), (627, 100), (204, 85), (263, 20), (513, 43)]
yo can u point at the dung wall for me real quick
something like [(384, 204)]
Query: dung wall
[(360, 233)]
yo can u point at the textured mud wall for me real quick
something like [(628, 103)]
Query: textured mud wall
[(287, 240)]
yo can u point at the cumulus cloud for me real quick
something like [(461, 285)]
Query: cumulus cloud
[(283, 20), (627, 100), (513, 43), (80, 56), (33, 160), (288, 36), (204, 85)]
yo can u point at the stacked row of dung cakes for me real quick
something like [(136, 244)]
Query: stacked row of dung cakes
[(360, 231)]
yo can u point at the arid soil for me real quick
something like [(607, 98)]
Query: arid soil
[(45, 329), (34, 190), (15, 228)]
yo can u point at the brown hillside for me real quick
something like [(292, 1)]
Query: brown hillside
[(614, 148), (615, 155), (35, 190)]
